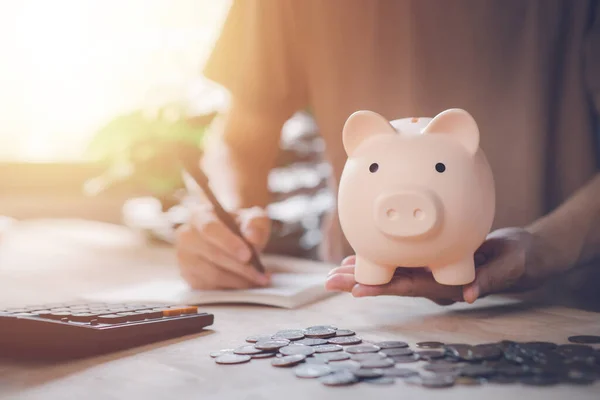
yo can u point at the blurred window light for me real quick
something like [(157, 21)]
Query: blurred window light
[(69, 66)]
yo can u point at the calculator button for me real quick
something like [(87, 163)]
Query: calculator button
[(59, 309), (150, 314), (118, 310), (58, 315), (16, 310), (175, 311), (132, 316), (35, 308), (24, 314), (82, 317), (78, 309), (111, 319)]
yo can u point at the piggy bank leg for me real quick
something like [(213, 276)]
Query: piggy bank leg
[(369, 273), (459, 273)]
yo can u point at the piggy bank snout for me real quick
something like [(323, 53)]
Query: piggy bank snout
[(407, 213)]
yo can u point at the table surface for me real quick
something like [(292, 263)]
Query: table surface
[(59, 260)]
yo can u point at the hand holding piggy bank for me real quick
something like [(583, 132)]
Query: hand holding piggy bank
[(415, 192)]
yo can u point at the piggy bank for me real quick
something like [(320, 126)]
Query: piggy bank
[(415, 192)]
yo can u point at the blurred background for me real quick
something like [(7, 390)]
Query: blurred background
[(95, 97)]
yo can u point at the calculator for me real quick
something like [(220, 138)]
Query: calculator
[(77, 330)]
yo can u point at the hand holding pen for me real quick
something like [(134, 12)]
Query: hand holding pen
[(214, 254)]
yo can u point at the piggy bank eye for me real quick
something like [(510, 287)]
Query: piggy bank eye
[(439, 167), (373, 167)]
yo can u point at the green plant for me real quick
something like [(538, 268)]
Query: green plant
[(143, 149)]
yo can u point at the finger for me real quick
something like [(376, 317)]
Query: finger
[(418, 284), (255, 225), (443, 302), (212, 278), (349, 269), (212, 230), (190, 241), (497, 276), (340, 282), (350, 260)]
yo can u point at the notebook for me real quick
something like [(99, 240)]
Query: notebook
[(295, 283)]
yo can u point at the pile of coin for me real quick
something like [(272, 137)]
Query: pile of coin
[(338, 357)]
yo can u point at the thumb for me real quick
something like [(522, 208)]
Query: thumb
[(255, 225), (496, 276)]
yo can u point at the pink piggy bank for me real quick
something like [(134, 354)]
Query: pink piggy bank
[(415, 192)]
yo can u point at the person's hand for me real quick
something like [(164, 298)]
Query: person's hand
[(506, 262), (211, 256)]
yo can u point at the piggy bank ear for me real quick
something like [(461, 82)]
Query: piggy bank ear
[(362, 125), (459, 124)]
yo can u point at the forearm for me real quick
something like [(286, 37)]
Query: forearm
[(240, 150), (570, 236)]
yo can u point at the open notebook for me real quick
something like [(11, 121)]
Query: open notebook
[(295, 282)]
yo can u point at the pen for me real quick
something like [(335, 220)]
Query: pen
[(196, 173)]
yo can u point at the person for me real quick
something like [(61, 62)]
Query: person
[(527, 72)]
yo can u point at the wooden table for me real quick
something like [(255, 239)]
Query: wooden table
[(58, 261)]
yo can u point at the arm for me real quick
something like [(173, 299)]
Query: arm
[(240, 151), (571, 234)]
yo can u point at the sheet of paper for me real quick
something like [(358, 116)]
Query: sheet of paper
[(287, 290)]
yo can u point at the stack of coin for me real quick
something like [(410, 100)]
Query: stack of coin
[(338, 357)]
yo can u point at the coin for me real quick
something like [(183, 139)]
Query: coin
[(297, 349), (312, 371), (575, 349), (458, 350), (377, 363), (344, 332), (367, 373), (391, 344), (257, 338), (323, 333), (247, 350), (216, 354), (432, 382), (344, 365), (399, 372), (271, 344), (289, 334), (397, 352), (288, 361), (405, 359), (502, 379), (485, 352), (232, 359), (345, 340), (430, 354), (581, 377), (475, 371), (430, 345), (539, 345), (382, 380), (339, 378), (313, 360), (319, 327), (367, 356), (311, 341), (468, 381), (327, 348), (334, 356), (585, 339), (263, 355), (441, 368), (540, 380), (363, 348)]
